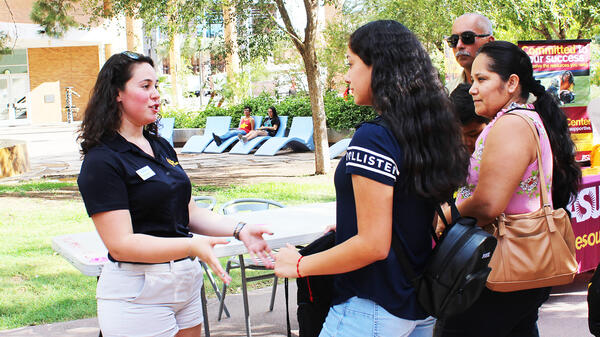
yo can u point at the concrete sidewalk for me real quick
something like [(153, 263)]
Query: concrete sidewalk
[(563, 315), (54, 154)]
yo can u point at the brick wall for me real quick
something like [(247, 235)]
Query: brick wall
[(73, 66)]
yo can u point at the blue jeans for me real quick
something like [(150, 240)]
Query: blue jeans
[(358, 317), (232, 133)]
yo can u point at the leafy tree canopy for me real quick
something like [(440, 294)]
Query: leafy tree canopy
[(54, 16)]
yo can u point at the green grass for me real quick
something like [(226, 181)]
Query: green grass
[(38, 286), (286, 193), (35, 186)]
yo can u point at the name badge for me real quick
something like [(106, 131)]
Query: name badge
[(145, 172)]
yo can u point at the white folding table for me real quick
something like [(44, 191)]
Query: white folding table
[(294, 225)]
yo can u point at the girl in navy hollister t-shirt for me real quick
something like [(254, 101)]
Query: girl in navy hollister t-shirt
[(389, 182)]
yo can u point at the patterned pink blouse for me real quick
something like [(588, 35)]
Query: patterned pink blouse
[(526, 197)]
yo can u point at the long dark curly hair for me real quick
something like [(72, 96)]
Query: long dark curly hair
[(408, 94), (102, 114), (506, 59)]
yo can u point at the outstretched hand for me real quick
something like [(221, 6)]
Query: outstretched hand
[(286, 260), (330, 228), (252, 237), (202, 247)]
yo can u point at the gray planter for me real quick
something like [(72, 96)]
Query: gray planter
[(180, 136), (333, 136)]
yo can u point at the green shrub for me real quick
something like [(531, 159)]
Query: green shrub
[(341, 113), (294, 106), (183, 119), (344, 114)]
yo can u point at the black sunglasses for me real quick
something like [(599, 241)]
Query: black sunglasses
[(134, 55), (467, 37)]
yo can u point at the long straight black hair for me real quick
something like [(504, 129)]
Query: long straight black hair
[(408, 94), (507, 59)]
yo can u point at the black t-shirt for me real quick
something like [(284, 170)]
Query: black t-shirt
[(118, 175), (375, 154), (271, 122)]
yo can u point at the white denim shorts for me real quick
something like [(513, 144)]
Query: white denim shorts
[(149, 299)]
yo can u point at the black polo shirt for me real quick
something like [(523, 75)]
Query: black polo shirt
[(374, 153), (118, 175)]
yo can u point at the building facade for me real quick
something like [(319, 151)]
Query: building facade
[(35, 75)]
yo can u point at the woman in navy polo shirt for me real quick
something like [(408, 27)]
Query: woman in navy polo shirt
[(139, 198), (389, 181)]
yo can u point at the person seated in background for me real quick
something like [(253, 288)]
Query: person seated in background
[(246, 125), (472, 124), (269, 127)]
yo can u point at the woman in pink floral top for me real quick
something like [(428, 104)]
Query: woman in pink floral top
[(526, 196), (504, 177)]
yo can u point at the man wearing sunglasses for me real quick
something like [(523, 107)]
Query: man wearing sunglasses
[(470, 31)]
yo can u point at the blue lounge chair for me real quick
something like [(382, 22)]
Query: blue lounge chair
[(339, 147), (300, 138), (165, 128), (245, 148), (214, 148), (216, 124)]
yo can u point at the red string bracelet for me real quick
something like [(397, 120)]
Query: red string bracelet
[(298, 266)]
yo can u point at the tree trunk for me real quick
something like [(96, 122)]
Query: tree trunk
[(134, 33), (322, 161), (174, 55), (232, 60), (307, 49), (174, 60), (544, 30)]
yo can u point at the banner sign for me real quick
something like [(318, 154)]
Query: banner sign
[(563, 68), (585, 211)]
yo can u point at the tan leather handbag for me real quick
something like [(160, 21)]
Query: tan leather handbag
[(535, 249)]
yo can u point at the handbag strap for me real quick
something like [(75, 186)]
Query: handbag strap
[(544, 200)]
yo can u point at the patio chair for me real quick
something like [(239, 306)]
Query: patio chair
[(247, 205), (165, 128), (339, 147), (245, 148), (300, 138), (214, 148), (214, 124), (206, 201)]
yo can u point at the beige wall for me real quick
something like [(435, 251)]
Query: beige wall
[(21, 9), (45, 103), (71, 66)]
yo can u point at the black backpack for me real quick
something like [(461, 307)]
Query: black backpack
[(457, 269), (314, 293)]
